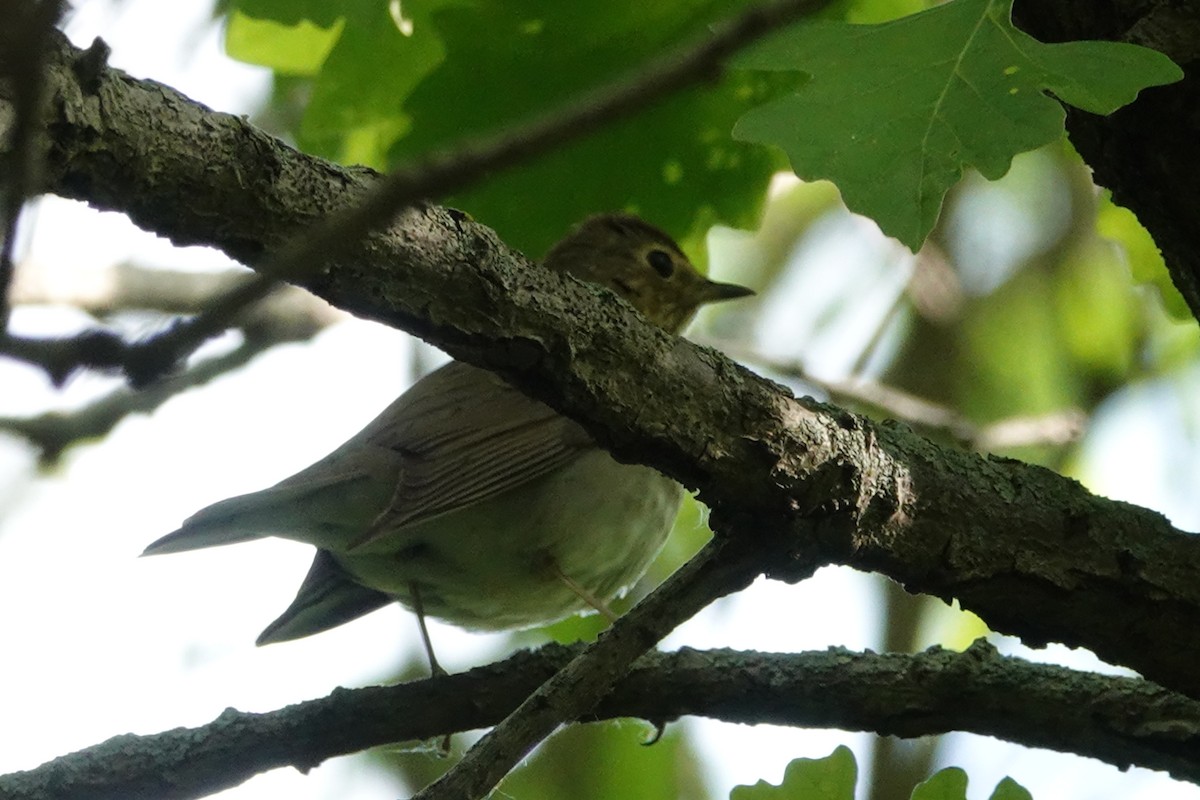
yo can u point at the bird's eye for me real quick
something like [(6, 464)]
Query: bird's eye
[(662, 262)]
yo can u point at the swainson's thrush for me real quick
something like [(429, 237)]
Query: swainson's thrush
[(468, 501)]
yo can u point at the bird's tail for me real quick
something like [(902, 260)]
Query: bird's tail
[(328, 597), (238, 519)]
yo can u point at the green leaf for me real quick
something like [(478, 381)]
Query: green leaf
[(608, 760), (377, 63), (895, 112), (830, 778), (509, 62), (1020, 365), (1142, 254), (951, 784), (1100, 319), (377, 54), (946, 784), (864, 12), (290, 49), (1008, 789), (290, 12)]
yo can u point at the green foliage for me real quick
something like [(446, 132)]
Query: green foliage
[(1008, 789), (674, 163), (1062, 326), (951, 784), (392, 89), (1144, 259), (1016, 362), (895, 112), (946, 784), (833, 778), (1099, 319), (297, 49), (829, 778), (596, 762)]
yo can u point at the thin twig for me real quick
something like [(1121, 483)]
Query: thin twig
[(142, 361), (290, 315), (1055, 428), (132, 286), (55, 431)]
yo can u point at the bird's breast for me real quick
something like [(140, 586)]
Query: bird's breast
[(492, 565)]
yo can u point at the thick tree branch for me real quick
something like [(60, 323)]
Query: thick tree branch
[(1031, 552), (1122, 721)]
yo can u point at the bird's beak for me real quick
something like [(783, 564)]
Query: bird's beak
[(714, 292)]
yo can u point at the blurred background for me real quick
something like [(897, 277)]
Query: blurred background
[(1037, 322)]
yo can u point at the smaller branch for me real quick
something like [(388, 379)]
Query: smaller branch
[(25, 40), (1121, 721), (142, 362), (289, 315), (55, 431), (1056, 428), (129, 286)]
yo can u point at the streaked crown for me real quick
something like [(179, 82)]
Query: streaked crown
[(641, 264)]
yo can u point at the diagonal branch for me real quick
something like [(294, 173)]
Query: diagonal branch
[(1122, 721)]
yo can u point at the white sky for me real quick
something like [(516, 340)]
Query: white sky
[(102, 643)]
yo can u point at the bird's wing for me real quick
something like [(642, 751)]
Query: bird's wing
[(465, 436), (459, 436)]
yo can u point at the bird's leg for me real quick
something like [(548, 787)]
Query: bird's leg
[(434, 666), (584, 594)]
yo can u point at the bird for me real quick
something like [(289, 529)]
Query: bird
[(468, 501)]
